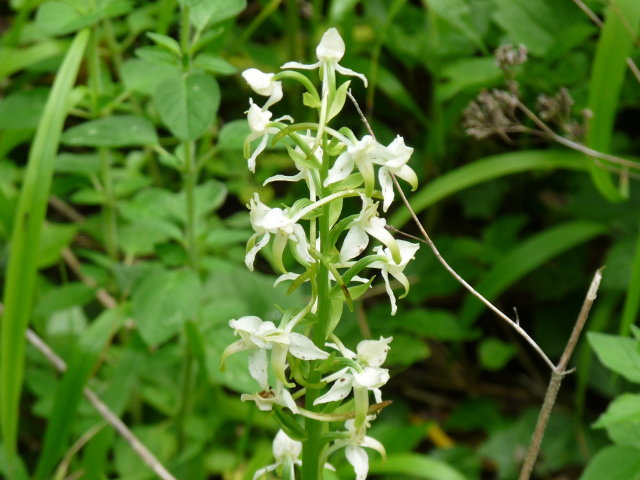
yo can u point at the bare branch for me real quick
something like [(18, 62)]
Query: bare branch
[(515, 325), (559, 372), (138, 447)]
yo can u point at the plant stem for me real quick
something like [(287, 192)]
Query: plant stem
[(557, 375), (311, 448), (189, 181)]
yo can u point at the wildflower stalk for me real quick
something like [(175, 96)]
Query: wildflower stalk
[(337, 168)]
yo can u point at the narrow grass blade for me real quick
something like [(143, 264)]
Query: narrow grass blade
[(525, 258), (21, 271), (607, 75), (632, 299), (70, 390), (416, 466), (485, 170)]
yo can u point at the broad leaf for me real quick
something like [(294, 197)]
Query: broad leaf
[(114, 131), (188, 104), (209, 12), (163, 302), (619, 354), (614, 463)]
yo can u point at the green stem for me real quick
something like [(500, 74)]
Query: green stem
[(109, 218), (189, 178), (312, 447), (186, 389)]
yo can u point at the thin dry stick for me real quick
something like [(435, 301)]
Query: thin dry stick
[(570, 143), (138, 447), (557, 375), (515, 325)]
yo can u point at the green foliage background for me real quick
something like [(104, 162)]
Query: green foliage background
[(124, 120)]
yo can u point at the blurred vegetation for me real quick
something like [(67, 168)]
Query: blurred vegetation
[(123, 230)]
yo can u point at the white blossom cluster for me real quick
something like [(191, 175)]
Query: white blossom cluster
[(335, 165)]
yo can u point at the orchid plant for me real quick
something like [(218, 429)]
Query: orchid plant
[(317, 388)]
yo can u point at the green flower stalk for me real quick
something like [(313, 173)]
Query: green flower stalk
[(307, 359)]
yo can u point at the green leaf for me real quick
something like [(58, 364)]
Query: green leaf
[(214, 64), (23, 109), (143, 76), (619, 354), (417, 466), (25, 240), (55, 237), (232, 135), (210, 12), (458, 14), (188, 104), (115, 131), (467, 73), (525, 258), (158, 55), (494, 354), (407, 350), (622, 420), (85, 164), (55, 18), (166, 42), (70, 390), (163, 302), (484, 170), (435, 324), (538, 24), (607, 76), (13, 60), (614, 463), (632, 297)]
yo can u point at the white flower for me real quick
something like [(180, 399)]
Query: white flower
[(388, 266), (395, 162), (274, 221), (286, 452), (370, 355), (363, 154), (367, 223), (329, 51), (261, 127), (305, 173), (355, 446), (267, 398), (261, 336), (264, 84)]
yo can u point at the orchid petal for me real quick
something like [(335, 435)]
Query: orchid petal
[(358, 458), (338, 391), (341, 169), (235, 347), (248, 324), (301, 66), (386, 185), (258, 367), (351, 73), (376, 228), (251, 161), (289, 402), (279, 362), (373, 353), (370, 442), (387, 286), (303, 348), (262, 471), (355, 242)]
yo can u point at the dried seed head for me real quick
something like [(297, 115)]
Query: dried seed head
[(508, 56), (491, 113)]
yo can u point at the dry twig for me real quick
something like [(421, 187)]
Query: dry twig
[(427, 239), (138, 447), (559, 372)]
